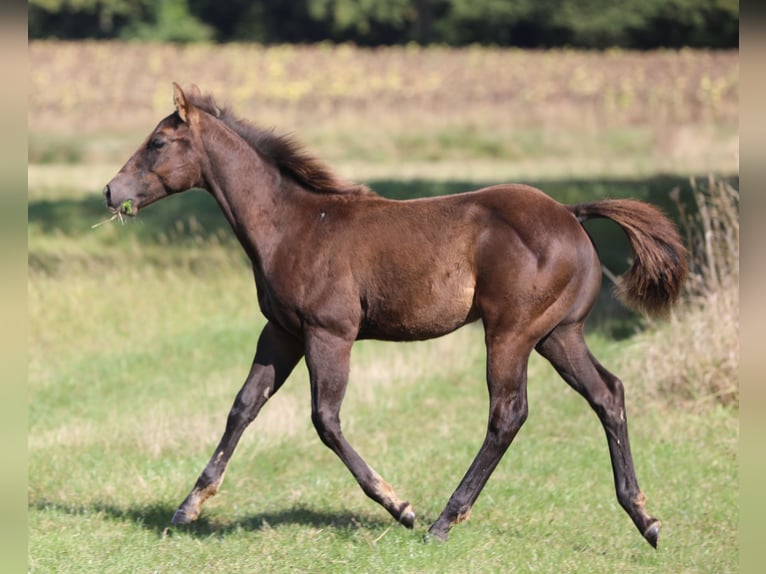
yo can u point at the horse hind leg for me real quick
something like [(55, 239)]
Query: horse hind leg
[(507, 383), (566, 350)]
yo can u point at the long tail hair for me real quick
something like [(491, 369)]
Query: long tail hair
[(656, 276)]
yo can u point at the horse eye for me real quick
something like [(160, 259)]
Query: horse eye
[(156, 144)]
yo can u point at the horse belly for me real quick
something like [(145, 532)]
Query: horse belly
[(431, 311)]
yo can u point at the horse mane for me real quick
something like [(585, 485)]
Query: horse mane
[(282, 150)]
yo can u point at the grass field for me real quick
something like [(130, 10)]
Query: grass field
[(136, 356), (133, 367), (140, 335)]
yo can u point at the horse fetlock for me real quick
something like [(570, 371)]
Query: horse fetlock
[(463, 514), (189, 510), (210, 490), (384, 494)]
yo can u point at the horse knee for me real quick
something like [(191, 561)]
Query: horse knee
[(248, 403), (239, 416), (506, 421)]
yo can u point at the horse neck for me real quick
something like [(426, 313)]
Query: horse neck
[(246, 188)]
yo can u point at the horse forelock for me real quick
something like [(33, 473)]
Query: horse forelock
[(283, 150)]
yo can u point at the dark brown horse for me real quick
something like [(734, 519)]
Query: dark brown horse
[(333, 263)]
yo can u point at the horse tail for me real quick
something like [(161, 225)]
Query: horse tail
[(658, 271)]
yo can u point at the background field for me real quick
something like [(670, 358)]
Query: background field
[(438, 113), (140, 335)]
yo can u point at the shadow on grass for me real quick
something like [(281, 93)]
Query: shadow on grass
[(156, 518)]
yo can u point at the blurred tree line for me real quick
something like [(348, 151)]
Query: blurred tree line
[(636, 24)]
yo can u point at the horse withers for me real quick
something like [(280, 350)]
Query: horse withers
[(334, 262)]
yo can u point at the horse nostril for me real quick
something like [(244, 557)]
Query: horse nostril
[(107, 194)]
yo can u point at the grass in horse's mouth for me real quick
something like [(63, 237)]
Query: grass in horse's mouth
[(126, 207)]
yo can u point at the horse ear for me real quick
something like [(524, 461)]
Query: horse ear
[(183, 107), (194, 91)]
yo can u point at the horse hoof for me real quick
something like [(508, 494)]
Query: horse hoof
[(407, 517), (652, 533), (181, 517), (435, 536)]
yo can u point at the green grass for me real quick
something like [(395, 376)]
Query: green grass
[(139, 337)]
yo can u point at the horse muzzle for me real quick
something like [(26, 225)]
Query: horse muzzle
[(125, 206)]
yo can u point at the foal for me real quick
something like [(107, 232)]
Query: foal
[(334, 263)]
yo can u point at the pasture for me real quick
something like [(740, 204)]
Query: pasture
[(140, 335)]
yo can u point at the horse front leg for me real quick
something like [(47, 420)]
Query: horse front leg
[(328, 360), (276, 356)]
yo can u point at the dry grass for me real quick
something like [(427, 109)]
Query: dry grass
[(77, 86), (468, 110), (693, 359)]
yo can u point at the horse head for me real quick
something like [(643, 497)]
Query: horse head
[(167, 162)]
